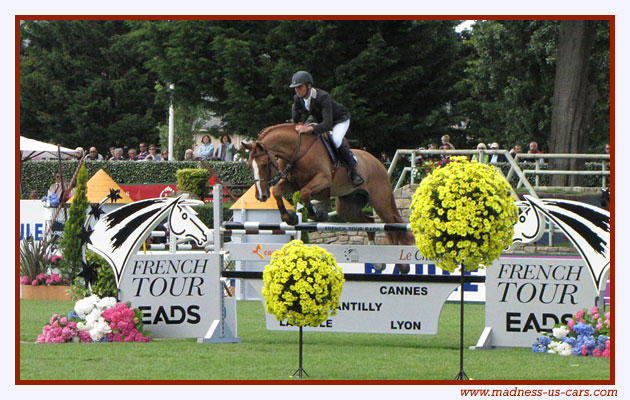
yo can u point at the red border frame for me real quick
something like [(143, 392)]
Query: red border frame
[(610, 18)]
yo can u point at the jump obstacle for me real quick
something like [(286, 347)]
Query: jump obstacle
[(401, 290)]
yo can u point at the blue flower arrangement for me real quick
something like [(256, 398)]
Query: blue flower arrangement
[(586, 334)]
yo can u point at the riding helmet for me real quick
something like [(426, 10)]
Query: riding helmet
[(300, 78)]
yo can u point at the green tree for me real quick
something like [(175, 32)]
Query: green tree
[(83, 83), (395, 76), (71, 243), (510, 80)]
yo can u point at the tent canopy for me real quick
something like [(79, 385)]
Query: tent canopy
[(31, 148)]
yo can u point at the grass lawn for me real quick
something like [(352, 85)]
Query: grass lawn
[(273, 355)]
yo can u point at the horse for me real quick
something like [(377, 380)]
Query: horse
[(301, 162), (118, 234)]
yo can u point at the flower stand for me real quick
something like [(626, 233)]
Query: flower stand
[(461, 375), (298, 373)]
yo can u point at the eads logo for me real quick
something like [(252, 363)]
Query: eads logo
[(261, 253)]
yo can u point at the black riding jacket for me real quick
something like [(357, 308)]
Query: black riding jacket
[(324, 111)]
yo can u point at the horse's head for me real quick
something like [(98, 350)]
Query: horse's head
[(264, 166), (530, 226), (184, 223)]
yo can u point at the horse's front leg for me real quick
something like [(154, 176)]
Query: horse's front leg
[(278, 190), (318, 184)]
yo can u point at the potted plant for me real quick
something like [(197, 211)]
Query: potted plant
[(37, 282)]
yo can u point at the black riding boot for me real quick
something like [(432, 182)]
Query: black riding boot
[(346, 156)]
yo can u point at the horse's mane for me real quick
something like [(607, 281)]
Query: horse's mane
[(268, 129)]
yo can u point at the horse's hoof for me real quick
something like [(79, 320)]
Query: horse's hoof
[(321, 216), (403, 268), (292, 218)]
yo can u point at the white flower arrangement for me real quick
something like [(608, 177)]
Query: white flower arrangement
[(91, 309), (560, 332)]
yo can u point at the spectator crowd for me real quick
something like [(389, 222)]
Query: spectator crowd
[(486, 154), (225, 151)]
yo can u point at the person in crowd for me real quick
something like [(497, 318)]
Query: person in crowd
[(143, 152), (445, 147), (57, 187), (446, 140), (78, 153), (496, 158), (320, 113), (206, 150), (111, 153), (481, 156), (118, 155), (607, 148), (517, 149), (164, 155), (225, 150), (153, 156), (433, 157), (533, 149), (132, 154), (93, 155), (188, 155), (33, 195), (385, 158)]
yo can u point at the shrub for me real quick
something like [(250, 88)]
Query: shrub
[(71, 243), (105, 285), (194, 181), (127, 172)]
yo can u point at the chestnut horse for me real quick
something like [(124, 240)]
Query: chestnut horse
[(301, 162)]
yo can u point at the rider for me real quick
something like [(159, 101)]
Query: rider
[(321, 113)]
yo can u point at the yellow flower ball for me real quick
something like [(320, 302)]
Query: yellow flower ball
[(463, 214), (302, 284)]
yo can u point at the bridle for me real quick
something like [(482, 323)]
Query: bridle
[(272, 162), (290, 164)]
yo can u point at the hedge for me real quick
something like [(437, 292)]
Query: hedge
[(38, 175)]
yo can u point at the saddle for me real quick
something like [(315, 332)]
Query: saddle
[(331, 149)]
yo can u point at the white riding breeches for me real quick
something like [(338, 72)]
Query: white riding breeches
[(339, 131)]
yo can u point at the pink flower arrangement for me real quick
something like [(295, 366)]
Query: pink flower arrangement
[(45, 279), (125, 323), (59, 330), (117, 322)]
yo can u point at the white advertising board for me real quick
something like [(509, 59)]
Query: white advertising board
[(179, 294), (382, 307), (529, 295), (33, 217)]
